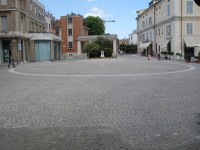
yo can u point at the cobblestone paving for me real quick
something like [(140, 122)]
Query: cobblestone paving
[(135, 112)]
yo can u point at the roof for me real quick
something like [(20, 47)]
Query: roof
[(93, 37), (44, 36)]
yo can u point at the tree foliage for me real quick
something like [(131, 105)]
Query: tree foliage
[(92, 50), (95, 25), (128, 49), (100, 44)]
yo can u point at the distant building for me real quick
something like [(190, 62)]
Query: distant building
[(169, 25), (70, 27), (50, 23), (133, 38), (124, 41)]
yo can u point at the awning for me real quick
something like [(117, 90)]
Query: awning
[(198, 45), (165, 44), (144, 45), (192, 41)]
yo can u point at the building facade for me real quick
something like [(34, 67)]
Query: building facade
[(170, 26), (124, 41), (133, 38), (19, 20), (70, 27), (50, 23)]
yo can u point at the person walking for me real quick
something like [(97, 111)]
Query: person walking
[(10, 59), (158, 55)]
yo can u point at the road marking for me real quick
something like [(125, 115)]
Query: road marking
[(191, 68)]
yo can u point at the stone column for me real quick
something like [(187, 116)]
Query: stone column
[(114, 48), (79, 48), (52, 50)]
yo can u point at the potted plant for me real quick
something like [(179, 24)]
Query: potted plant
[(170, 55), (187, 58), (164, 55), (178, 56)]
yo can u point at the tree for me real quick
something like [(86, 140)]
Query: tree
[(95, 25), (94, 48)]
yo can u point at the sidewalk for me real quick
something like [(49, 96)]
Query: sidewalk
[(4, 64)]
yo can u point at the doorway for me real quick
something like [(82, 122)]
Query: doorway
[(5, 50)]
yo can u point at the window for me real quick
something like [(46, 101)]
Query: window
[(4, 26), (31, 6), (150, 35), (3, 2), (143, 24), (70, 45), (69, 20), (168, 30), (35, 9), (143, 37), (57, 32), (189, 7), (146, 22), (189, 28), (150, 21), (168, 10), (70, 32), (32, 26)]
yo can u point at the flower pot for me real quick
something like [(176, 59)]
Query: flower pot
[(178, 58)]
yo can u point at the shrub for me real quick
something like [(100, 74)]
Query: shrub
[(164, 52), (128, 49), (92, 50), (171, 53), (178, 54), (108, 52)]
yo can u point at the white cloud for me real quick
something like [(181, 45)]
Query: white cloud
[(90, 0), (97, 12)]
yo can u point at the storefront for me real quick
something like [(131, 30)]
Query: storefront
[(44, 47)]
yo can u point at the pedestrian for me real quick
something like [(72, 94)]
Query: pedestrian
[(158, 55), (10, 59), (149, 56)]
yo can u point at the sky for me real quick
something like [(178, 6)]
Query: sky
[(123, 12)]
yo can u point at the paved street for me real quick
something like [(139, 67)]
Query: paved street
[(128, 103)]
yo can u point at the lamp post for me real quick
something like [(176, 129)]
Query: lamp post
[(102, 51)]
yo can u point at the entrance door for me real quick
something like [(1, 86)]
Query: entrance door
[(42, 50), (5, 50)]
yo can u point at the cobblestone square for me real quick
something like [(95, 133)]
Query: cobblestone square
[(128, 103)]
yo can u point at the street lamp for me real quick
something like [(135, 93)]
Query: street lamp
[(102, 51), (108, 21)]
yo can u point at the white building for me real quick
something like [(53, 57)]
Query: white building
[(133, 38), (169, 25)]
